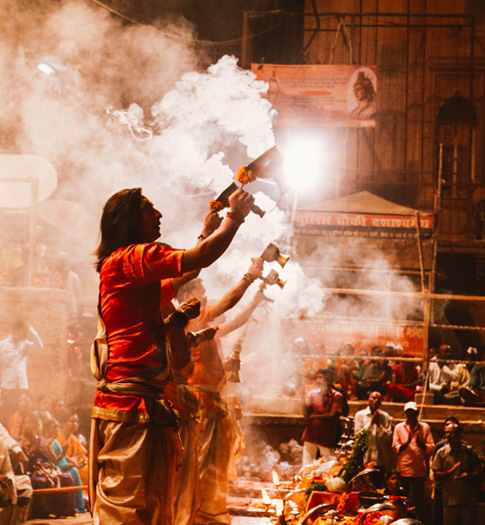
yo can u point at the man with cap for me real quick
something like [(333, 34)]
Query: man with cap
[(413, 444)]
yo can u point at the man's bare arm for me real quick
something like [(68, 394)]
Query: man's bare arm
[(243, 317), (210, 249), (234, 295), (212, 221)]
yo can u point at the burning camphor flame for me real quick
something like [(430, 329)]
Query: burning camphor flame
[(266, 498), (276, 479)]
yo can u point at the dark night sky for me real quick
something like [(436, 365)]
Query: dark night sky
[(216, 20)]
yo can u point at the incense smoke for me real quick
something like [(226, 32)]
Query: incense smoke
[(130, 105)]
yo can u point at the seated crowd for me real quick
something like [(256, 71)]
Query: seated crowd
[(40, 448), (398, 376)]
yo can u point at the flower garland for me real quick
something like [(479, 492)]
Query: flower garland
[(342, 504), (245, 176), (215, 205), (355, 462)]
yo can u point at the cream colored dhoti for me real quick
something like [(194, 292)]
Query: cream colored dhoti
[(187, 496), (132, 469), (187, 489), (214, 454)]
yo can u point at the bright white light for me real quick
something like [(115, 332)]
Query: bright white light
[(266, 498), (48, 70), (279, 507), (276, 480), (303, 162)]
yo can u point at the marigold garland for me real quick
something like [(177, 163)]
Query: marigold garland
[(342, 504), (373, 518), (216, 205), (245, 176)]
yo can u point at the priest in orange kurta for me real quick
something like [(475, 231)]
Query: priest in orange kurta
[(134, 439)]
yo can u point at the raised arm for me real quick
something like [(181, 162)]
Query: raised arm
[(233, 296), (34, 342), (212, 221), (211, 248), (244, 316)]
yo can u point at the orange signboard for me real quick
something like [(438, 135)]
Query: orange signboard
[(321, 95)]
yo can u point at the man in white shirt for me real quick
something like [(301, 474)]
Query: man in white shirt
[(439, 375), (14, 351), (378, 423)]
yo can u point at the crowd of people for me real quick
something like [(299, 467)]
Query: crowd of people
[(51, 267), (403, 458), (41, 448), (164, 433), (398, 375)]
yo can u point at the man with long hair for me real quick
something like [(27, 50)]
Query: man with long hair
[(134, 442)]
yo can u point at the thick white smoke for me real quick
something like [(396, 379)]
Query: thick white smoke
[(129, 105)]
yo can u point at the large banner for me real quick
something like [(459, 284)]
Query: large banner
[(361, 225), (321, 95)]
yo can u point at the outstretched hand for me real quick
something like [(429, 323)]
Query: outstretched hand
[(241, 202), (255, 271), (260, 297), (212, 221)]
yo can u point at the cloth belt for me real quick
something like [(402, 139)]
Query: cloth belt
[(160, 411)]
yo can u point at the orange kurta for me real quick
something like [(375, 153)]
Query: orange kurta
[(130, 298), (132, 457)]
